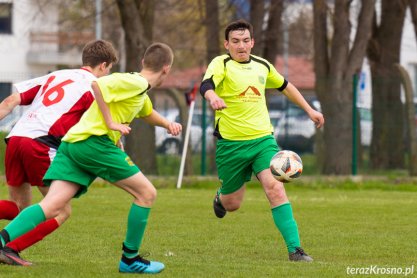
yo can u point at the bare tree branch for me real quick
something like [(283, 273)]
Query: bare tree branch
[(340, 42), (321, 57), (274, 30), (363, 33)]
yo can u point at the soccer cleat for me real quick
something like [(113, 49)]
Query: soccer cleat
[(139, 265), (299, 255), (11, 257), (218, 208)]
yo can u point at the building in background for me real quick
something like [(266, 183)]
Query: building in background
[(32, 45)]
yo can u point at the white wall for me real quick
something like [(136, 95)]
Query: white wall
[(28, 15)]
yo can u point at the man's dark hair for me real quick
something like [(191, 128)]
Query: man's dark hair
[(238, 25), (97, 52)]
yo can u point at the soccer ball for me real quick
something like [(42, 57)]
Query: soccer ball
[(286, 165)]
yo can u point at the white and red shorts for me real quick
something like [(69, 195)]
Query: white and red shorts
[(27, 161)]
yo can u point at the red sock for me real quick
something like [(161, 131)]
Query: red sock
[(8, 210), (33, 236)]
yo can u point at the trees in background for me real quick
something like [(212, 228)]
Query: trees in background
[(387, 147), (340, 32), (336, 60)]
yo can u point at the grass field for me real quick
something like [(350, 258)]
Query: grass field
[(342, 225)]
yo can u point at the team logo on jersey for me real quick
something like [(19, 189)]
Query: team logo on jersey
[(261, 79), (129, 161), (251, 94)]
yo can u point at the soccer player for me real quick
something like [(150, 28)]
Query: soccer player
[(234, 86), (89, 151), (57, 101)]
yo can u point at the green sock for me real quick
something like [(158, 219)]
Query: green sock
[(286, 224), (28, 219), (136, 224)]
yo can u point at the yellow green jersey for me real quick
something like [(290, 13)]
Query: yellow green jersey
[(242, 87), (127, 98)]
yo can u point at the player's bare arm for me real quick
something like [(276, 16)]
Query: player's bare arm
[(157, 119), (105, 111), (215, 101), (296, 97), (8, 104)]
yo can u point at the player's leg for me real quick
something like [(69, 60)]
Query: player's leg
[(19, 190), (59, 195), (233, 165), (21, 195), (19, 198), (56, 200), (283, 215), (280, 206), (144, 194), (36, 159), (42, 230), (232, 201), (99, 156)]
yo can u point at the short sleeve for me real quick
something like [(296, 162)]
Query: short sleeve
[(29, 89), (275, 80), (215, 71), (147, 108)]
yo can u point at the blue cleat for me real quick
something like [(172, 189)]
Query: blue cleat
[(139, 265)]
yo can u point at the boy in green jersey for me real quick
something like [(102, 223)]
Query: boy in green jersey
[(234, 85), (89, 150)]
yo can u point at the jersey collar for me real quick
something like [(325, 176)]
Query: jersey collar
[(244, 62), (86, 69)]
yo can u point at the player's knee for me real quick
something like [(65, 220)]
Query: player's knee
[(146, 197), (276, 191)]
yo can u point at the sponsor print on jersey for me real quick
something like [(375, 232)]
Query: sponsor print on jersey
[(251, 94)]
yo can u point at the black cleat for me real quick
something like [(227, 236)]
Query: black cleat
[(11, 257), (218, 208), (299, 256)]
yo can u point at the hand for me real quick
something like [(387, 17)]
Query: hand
[(174, 128), (124, 129), (317, 118), (215, 101)]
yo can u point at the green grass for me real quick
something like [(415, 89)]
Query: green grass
[(341, 225)]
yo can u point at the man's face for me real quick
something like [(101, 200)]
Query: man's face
[(239, 45)]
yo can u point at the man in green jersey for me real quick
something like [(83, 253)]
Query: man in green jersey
[(234, 85), (89, 150)]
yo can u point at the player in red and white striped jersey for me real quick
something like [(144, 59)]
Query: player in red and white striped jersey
[(57, 102)]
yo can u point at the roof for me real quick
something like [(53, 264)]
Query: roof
[(300, 73)]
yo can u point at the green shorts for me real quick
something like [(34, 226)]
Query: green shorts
[(236, 160), (81, 162)]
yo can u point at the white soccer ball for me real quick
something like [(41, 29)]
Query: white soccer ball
[(286, 165)]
